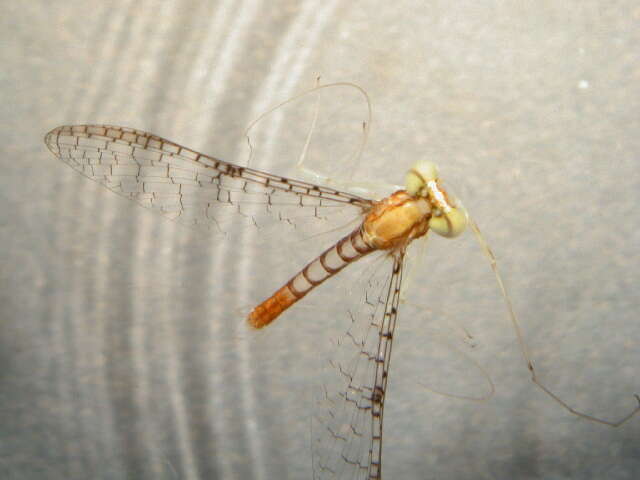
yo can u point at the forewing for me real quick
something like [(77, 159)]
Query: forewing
[(188, 186), (347, 424)]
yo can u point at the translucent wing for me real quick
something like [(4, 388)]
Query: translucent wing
[(347, 428), (200, 190), (188, 186)]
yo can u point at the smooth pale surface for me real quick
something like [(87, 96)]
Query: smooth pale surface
[(122, 352)]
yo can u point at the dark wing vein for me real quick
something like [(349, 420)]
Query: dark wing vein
[(189, 186), (348, 421)]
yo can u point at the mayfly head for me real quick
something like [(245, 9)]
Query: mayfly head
[(448, 217)]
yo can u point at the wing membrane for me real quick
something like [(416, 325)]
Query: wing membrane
[(196, 189), (188, 186), (347, 432)]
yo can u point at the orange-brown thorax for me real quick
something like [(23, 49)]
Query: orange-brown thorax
[(397, 220)]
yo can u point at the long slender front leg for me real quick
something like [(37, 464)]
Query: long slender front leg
[(523, 347)]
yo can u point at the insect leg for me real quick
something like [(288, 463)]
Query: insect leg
[(523, 348)]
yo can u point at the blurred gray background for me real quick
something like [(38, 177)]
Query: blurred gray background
[(122, 349)]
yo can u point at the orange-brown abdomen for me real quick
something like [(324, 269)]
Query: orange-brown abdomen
[(273, 306), (330, 262)]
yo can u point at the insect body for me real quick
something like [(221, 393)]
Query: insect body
[(191, 187), (186, 185), (391, 224)]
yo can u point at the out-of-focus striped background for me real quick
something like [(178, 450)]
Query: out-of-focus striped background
[(122, 353)]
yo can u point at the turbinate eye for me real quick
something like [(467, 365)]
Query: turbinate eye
[(451, 223), (450, 217), (421, 172)]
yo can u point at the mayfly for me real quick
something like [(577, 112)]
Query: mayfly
[(183, 184)]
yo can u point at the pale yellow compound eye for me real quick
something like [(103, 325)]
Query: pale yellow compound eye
[(450, 224), (420, 174)]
